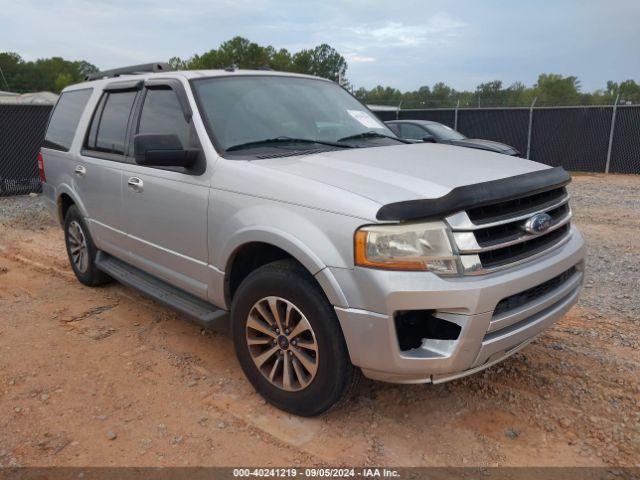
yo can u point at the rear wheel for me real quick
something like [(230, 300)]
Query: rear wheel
[(288, 340), (81, 250)]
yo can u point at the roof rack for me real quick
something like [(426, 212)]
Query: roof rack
[(132, 70)]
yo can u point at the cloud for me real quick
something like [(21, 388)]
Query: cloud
[(404, 44), (356, 58), (439, 29)]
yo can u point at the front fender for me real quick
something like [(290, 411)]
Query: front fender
[(316, 238), (277, 237)]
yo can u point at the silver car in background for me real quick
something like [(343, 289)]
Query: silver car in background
[(278, 206)]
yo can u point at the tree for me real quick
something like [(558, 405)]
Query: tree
[(62, 80), (49, 74), (280, 60), (628, 90), (323, 60), (554, 89), (326, 62), (442, 96), (10, 66)]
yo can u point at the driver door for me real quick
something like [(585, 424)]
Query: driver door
[(165, 208)]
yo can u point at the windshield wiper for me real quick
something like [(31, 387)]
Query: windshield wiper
[(371, 135), (268, 141)]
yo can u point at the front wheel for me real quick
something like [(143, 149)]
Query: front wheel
[(289, 342)]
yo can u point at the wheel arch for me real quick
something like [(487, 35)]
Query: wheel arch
[(276, 245), (65, 197)]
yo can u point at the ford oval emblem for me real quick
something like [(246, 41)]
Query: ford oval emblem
[(538, 224)]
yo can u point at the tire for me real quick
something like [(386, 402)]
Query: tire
[(309, 391), (78, 242)]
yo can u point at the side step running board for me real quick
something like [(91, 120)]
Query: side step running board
[(197, 310)]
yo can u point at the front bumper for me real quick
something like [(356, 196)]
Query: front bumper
[(374, 296)]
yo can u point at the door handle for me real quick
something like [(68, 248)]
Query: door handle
[(135, 184), (80, 171)]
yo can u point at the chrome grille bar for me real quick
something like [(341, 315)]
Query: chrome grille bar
[(467, 242), (503, 243), (461, 220), (471, 264)]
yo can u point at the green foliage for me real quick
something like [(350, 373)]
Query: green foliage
[(628, 90), (62, 80), (550, 89), (53, 74), (49, 74), (323, 60), (554, 89)]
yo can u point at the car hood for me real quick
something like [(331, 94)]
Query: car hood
[(398, 173), (484, 145)]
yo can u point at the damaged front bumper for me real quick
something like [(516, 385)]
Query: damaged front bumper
[(485, 337)]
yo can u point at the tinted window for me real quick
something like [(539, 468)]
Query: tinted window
[(442, 132), (411, 131), (161, 113), (65, 118), (394, 128), (111, 131)]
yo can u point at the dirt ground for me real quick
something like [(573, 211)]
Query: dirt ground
[(107, 377)]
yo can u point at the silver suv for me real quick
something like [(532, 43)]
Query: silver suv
[(278, 206)]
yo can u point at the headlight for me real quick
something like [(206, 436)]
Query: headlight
[(418, 246)]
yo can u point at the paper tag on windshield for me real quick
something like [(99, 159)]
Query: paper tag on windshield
[(364, 118)]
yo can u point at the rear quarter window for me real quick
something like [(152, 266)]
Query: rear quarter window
[(64, 119)]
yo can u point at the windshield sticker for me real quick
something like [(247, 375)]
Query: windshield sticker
[(364, 118)]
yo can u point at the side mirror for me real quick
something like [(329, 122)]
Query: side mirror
[(162, 150), (428, 138)]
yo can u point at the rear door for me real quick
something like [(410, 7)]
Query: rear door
[(165, 209), (99, 169)]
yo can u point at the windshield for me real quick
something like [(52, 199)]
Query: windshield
[(245, 112), (442, 132)]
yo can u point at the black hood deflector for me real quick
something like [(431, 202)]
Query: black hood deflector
[(475, 195)]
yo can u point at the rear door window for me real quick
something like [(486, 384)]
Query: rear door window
[(65, 118), (111, 128)]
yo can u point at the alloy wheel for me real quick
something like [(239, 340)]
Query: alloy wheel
[(78, 246), (282, 343)]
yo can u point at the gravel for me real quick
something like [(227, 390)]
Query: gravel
[(608, 215), (28, 212)]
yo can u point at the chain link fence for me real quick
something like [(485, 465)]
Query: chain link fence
[(625, 146), (22, 129), (588, 139)]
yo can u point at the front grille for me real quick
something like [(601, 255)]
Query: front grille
[(493, 236), (509, 231), (519, 251), (511, 208), (532, 294)]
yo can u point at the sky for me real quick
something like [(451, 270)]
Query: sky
[(401, 43)]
